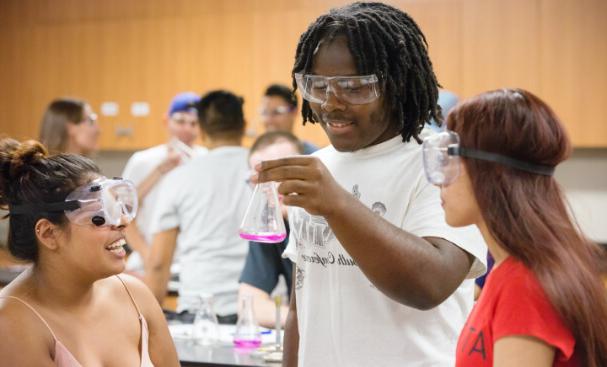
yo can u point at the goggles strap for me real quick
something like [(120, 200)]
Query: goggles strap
[(539, 169), (44, 207)]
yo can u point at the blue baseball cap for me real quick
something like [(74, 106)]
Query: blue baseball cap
[(184, 102)]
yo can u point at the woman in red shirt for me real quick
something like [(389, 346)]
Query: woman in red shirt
[(543, 303)]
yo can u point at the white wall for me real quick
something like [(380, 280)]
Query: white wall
[(584, 178)]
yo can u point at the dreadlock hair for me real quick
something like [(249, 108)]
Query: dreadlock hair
[(385, 41)]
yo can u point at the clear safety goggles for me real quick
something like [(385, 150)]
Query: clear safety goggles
[(278, 111), (90, 118), (350, 89), (442, 152), (102, 202)]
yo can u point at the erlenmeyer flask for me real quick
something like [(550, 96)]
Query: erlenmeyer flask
[(247, 333), (263, 219), (206, 327)]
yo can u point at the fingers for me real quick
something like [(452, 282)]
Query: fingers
[(174, 157), (169, 163), (298, 160), (294, 193), (290, 168), (291, 187), (298, 193), (295, 200), (305, 194), (284, 173)]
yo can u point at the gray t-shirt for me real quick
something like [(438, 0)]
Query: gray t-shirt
[(137, 169), (207, 199)]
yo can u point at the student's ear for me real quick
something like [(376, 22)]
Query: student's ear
[(47, 233)]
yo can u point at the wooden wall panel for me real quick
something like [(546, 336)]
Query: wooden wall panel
[(138, 50), (276, 33), (574, 66), (499, 45), (441, 23)]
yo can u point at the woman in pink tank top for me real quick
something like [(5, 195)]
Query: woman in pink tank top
[(71, 308)]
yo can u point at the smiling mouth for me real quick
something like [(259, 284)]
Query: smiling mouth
[(338, 124), (116, 247)]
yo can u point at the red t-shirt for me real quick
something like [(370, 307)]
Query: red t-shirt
[(513, 303)]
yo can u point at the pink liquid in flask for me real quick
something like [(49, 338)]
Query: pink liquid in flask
[(264, 237), (247, 343)]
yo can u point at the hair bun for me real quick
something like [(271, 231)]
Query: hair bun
[(8, 147), (16, 158), (29, 152)]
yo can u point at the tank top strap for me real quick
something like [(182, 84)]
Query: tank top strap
[(130, 296), (35, 312)]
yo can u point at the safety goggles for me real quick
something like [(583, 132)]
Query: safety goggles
[(278, 111), (103, 202), (91, 119), (441, 154), (185, 117), (350, 89)]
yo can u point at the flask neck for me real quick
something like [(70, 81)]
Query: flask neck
[(247, 310)]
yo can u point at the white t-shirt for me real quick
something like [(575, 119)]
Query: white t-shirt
[(343, 319), (137, 169), (207, 199)]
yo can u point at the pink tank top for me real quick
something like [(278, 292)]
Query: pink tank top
[(63, 357)]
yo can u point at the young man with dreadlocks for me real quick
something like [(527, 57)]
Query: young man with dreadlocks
[(386, 288)]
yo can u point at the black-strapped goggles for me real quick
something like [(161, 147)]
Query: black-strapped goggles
[(441, 154), (102, 202)]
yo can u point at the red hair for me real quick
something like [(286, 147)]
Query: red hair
[(527, 213)]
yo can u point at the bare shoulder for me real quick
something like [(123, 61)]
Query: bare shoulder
[(24, 335), (112, 291), (142, 295), (162, 350)]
